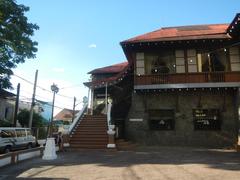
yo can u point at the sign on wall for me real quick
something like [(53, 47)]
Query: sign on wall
[(206, 119)]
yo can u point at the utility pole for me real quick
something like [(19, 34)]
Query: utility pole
[(33, 100), (16, 106), (74, 104)]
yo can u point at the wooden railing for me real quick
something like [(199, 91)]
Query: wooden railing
[(182, 78)]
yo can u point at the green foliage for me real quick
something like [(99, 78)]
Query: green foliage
[(38, 120), (66, 122), (5, 123), (15, 39)]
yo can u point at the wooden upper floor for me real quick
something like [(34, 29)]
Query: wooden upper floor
[(186, 55), (187, 66)]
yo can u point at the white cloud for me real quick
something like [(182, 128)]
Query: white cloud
[(92, 46), (58, 70)]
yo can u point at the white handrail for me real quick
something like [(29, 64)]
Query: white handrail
[(77, 118), (109, 107)]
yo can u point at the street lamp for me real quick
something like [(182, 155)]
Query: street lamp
[(55, 90), (50, 149)]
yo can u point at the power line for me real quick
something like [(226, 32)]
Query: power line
[(24, 97), (76, 85), (41, 87)]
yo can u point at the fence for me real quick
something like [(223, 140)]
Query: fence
[(15, 157)]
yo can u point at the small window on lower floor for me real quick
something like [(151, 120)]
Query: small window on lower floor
[(206, 119), (161, 119)]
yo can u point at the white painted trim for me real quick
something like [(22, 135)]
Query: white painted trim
[(111, 132), (135, 119), (77, 118), (187, 85), (111, 146), (66, 144), (28, 155)]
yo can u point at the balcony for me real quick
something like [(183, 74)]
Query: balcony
[(188, 78)]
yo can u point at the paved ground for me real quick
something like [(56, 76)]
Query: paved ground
[(168, 163)]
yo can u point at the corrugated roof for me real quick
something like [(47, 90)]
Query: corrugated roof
[(183, 32), (5, 94), (116, 68)]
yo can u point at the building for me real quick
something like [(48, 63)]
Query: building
[(45, 109), (65, 115), (7, 106), (41, 107), (179, 87)]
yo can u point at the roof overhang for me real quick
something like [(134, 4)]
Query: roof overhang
[(234, 27), (108, 81)]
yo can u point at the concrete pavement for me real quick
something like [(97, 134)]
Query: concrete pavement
[(165, 163)]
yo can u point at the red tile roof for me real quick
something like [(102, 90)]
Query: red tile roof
[(65, 114), (183, 33), (116, 68), (120, 70)]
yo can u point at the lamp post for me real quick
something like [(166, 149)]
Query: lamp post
[(55, 90), (50, 149)]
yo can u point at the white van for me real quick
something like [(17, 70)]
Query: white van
[(15, 138)]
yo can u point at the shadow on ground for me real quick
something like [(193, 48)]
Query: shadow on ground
[(218, 159)]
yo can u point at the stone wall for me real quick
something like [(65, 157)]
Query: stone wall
[(183, 102)]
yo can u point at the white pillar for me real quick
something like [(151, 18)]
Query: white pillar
[(92, 97), (106, 98), (88, 100)]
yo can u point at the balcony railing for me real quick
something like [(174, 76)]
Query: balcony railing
[(182, 78)]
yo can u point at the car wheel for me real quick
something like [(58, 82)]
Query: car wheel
[(29, 146), (7, 149)]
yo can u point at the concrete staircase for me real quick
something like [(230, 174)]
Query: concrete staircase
[(90, 133)]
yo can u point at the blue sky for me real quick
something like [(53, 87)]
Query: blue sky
[(76, 36)]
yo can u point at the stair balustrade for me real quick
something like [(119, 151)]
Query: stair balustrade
[(78, 118)]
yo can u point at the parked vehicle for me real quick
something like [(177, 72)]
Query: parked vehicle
[(16, 138)]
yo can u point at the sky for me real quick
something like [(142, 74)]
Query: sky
[(77, 36)]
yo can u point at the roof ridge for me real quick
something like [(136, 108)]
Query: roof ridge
[(177, 29), (173, 27)]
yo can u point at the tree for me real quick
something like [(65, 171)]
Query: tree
[(15, 39), (23, 118)]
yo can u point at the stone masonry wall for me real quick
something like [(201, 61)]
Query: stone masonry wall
[(184, 133)]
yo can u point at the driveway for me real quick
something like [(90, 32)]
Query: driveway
[(165, 163)]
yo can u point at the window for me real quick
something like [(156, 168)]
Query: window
[(140, 63), (29, 133), (191, 60), (180, 61), (20, 132), (7, 133), (206, 119), (234, 53), (160, 63), (161, 119), (213, 62)]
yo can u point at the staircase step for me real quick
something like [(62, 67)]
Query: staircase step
[(92, 125), (85, 141), (88, 143), (88, 146), (89, 138), (90, 133)]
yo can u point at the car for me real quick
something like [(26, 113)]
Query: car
[(15, 139)]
